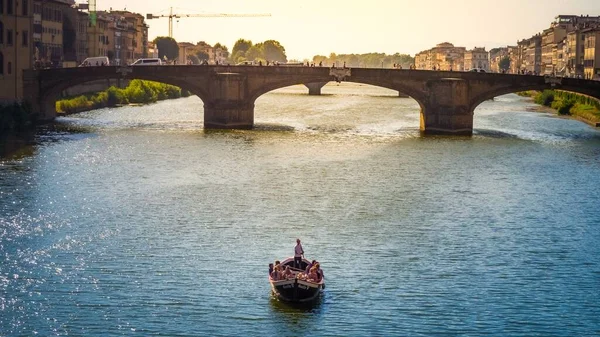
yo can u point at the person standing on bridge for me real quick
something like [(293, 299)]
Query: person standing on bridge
[(298, 252)]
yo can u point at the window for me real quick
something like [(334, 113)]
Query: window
[(25, 7), (1, 62), (25, 36), (9, 67), (9, 6), (1, 31), (1, 6), (9, 37)]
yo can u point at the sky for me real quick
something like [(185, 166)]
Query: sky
[(319, 27)]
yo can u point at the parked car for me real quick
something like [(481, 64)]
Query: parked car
[(147, 62), (95, 61), (477, 70)]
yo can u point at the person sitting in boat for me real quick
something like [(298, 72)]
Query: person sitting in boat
[(270, 268), (310, 265), (287, 273), (312, 275), (276, 274), (319, 272)]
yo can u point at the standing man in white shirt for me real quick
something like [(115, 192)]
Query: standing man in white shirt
[(298, 252)]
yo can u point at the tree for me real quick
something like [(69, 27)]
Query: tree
[(504, 63), (193, 58), (167, 46), (224, 48), (202, 56), (254, 52), (273, 51), (240, 48), (111, 55)]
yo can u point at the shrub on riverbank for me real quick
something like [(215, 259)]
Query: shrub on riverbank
[(138, 91), (568, 103), (15, 117)]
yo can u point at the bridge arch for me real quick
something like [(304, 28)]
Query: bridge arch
[(405, 89), (477, 100), (52, 88)]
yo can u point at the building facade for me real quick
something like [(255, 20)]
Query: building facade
[(48, 26), (444, 56), (591, 56), (16, 27), (531, 54), (478, 58), (97, 37)]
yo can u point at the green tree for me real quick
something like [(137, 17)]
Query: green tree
[(224, 48), (202, 56), (504, 63), (254, 53), (167, 46), (274, 51), (240, 48), (193, 58), (319, 58)]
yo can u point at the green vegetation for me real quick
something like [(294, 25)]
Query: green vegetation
[(15, 117), (504, 63), (571, 104), (137, 91), (530, 93), (370, 60), (167, 46), (270, 50)]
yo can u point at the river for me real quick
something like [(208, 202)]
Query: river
[(135, 221)]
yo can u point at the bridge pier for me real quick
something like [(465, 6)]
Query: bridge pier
[(315, 88), (229, 115), (229, 107), (447, 111)]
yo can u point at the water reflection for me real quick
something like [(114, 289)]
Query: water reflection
[(297, 316), (17, 145)]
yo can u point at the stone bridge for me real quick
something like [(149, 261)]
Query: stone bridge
[(447, 99)]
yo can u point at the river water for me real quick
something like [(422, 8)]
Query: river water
[(136, 222)]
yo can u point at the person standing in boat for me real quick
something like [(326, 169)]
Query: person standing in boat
[(298, 252)]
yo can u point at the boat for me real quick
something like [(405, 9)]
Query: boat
[(296, 288)]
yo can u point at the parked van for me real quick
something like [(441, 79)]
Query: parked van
[(147, 62), (95, 61), (246, 63)]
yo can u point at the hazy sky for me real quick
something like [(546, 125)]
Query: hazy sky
[(310, 27)]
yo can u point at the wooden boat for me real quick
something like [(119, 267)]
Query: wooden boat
[(296, 288)]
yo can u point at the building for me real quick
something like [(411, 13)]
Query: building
[(152, 50), (75, 25), (496, 55), (550, 38), (478, 58), (49, 29), (591, 55), (515, 54), (97, 36), (184, 49), (444, 56), (574, 53), (16, 27), (138, 31), (531, 54)]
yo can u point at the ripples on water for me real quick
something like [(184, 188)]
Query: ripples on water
[(136, 221)]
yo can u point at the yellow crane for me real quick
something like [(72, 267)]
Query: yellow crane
[(172, 16)]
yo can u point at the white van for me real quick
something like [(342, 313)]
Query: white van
[(147, 62), (95, 61)]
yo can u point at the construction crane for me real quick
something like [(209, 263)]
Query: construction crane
[(172, 16)]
